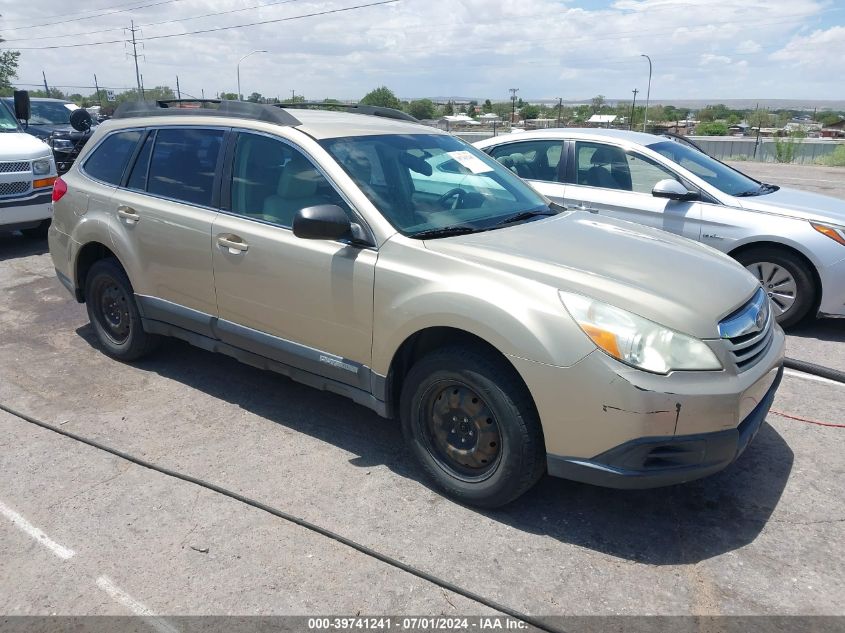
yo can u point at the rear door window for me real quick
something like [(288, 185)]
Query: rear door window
[(534, 160), (109, 158), (184, 163)]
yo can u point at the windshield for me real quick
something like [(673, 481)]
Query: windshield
[(51, 112), (425, 182), (8, 122), (711, 171)]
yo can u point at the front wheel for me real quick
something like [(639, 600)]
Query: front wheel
[(785, 278), (471, 423)]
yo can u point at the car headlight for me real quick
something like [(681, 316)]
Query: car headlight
[(638, 341), (836, 233), (41, 167), (61, 144)]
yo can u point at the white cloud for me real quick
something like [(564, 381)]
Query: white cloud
[(450, 47)]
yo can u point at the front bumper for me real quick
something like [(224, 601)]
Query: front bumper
[(662, 461), (832, 303), (27, 211)]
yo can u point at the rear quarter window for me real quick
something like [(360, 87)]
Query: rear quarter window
[(109, 158), (183, 164)]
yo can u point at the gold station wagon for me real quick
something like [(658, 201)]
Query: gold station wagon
[(365, 254)]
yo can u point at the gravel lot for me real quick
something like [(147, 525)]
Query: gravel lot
[(759, 538)]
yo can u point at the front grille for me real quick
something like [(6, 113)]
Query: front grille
[(14, 188), (10, 168), (747, 341)]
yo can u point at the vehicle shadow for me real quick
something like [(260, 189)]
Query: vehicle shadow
[(821, 329), (665, 526), (14, 245)]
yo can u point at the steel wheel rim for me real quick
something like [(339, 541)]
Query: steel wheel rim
[(112, 310), (460, 431), (778, 283)]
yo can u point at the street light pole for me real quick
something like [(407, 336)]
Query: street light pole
[(238, 71), (648, 91)]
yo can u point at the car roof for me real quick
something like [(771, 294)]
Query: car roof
[(322, 124), (41, 100), (629, 136)]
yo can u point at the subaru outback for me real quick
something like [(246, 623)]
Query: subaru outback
[(390, 262)]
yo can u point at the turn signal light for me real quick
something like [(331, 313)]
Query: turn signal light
[(59, 189), (43, 182), (831, 232)]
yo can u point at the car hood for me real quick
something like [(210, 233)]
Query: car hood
[(21, 146), (668, 279), (798, 204)]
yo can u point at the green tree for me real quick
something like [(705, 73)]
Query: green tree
[(487, 107), (829, 119), (529, 111), (597, 102), (760, 118), (255, 97), (229, 96), (714, 128), (383, 97), (8, 68), (422, 109), (448, 109)]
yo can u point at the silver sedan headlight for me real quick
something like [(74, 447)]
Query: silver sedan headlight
[(637, 341)]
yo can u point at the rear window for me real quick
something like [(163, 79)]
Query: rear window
[(109, 159), (183, 164)]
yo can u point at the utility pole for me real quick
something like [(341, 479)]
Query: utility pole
[(97, 88), (513, 92), (631, 122), (292, 96), (203, 93), (46, 88), (559, 108), (759, 125), (178, 91), (132, 30), (143, 93), (648, 93)]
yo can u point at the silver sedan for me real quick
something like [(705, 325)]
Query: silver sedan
[(792, 241)]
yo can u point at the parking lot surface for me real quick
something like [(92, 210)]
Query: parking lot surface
[(85, 532)]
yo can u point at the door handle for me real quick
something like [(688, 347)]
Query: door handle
[(233, 243), (128, 213)]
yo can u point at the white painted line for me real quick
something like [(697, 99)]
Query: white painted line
[(802, 375), (25, 526), (105, 583)]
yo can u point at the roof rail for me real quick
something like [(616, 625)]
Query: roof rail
[(200, 107), (357, 108)]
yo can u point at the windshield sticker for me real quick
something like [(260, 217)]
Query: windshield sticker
[(473, 163)]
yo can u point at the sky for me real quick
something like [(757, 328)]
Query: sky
[(708, 49)]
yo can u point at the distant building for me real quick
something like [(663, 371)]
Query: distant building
[(834, 130), (601, 119)]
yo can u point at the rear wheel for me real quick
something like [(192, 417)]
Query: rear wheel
[(787, 280), (112, 311), (471, 423)]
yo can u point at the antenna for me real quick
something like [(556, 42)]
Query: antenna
[(134, 54)]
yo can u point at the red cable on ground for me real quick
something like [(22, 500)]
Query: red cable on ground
[(794, 417)]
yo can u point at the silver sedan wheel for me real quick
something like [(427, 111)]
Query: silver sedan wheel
[(778, 283)]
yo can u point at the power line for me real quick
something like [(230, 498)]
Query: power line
[(214, 29), (96, 15), (58, 15), (173, 21)]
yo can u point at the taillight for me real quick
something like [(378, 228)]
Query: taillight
[(59, 189)]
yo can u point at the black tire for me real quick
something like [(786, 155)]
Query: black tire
[(37, 232), (474, 373), (805, 285), (113, 313)]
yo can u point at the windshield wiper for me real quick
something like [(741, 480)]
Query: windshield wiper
[(762, 190), (445, 231), (525, 215)]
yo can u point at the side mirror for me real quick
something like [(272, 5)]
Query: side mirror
[(80, 120), (673, 190), (322, 222), (23, 111)]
